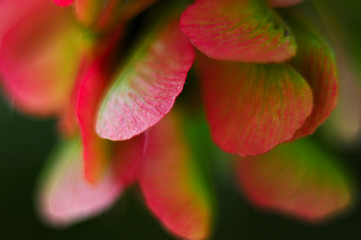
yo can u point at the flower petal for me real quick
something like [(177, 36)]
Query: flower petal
[(238, 30), (297, 179), (65, 196), (283, 3), (146, 88), (95, 77), (39, 58), (172, 184), (251, 108), (64, 3), (317, 64)]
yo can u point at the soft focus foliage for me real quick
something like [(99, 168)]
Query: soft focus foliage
[(298, 179)]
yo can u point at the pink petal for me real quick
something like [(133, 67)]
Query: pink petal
[(65, 197), (238, 30), (39, 57), (146, 88), (251, 108), (170, 180), (64, 3), (283, 3), (297, 179), (317, 64)]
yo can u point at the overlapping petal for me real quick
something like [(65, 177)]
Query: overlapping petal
[(316, 62), (64, 195), (94, 79), (238, 30), (251, 108), (297, 179), (146, 88), (39, 57), (172, 182)]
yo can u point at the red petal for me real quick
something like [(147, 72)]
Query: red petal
[(39, 58), (238, 30), (297, 179), (251, 108), (65, 196), (146, 88), (96, 156), (316, 63), (171, 182), (64, 3), (283, 3), (94, 80)]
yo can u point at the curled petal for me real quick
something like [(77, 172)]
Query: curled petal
[(297, 179), (146, 88), (94, 78), (251, 108), (238, 30), (99, 154), (317, 64), (64, 195), (172, 184)]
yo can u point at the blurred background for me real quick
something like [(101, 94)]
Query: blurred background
[(26, 142)]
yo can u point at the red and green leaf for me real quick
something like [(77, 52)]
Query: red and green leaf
[(238, 30), (172, 182), (146, 87), (251, 108), (298, 179)]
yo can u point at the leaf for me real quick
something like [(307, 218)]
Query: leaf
[(172, 183), (251, 108), (64, 195), (283, 3), (297, 179), (64, 3), (238, 30), (146, 88), (40, 53), (316, 62)]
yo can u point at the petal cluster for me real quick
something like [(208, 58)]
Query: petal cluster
[(265, 80)]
